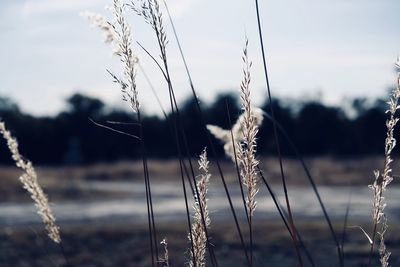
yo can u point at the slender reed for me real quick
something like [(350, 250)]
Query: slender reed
[(230, 151), (208, 135), (311, 181), (384, 178), (154, 14), (31, 184), (130, 94), (150, 11), (284, 215), (247, 149), (120, 35), (276, 137)]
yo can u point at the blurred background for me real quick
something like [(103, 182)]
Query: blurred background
[(331, 67)]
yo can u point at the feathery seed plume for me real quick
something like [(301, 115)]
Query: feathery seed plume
[(382, 180), (244, 132), (225, 135), (165, 260), (247, 148), (198, 228), (119, 34), (97, 20), (30, 183), (129, 60)]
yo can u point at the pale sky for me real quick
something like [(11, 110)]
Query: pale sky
[(340, 48)]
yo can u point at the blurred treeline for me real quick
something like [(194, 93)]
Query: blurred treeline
[(70, 137)]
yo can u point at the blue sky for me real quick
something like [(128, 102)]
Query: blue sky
[(338, 49)]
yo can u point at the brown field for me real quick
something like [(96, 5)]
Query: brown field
[(127, 245), (62, 183)]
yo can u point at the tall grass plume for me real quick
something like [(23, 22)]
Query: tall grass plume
[(224, 136), (199, 237), (31, 184), (97, 20), (247, 149), (384, 178), (165, 260)]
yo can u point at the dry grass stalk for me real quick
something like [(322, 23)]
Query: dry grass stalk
[(199, 237), (121, 31), (247, 148), (225, 135), (382, 180), (165, 260), (97, 20), (119, 34), (242, 149), (123, 42), (30, 183), (383, 252), (244, 131), (151, 12)]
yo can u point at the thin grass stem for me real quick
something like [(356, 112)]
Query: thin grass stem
[(310, 179), (211, 145), (276, 137)]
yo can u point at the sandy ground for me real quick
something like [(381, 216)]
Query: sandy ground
[(64, 182), (128, 245)]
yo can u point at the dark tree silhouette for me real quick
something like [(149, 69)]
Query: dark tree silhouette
[(71, 137)]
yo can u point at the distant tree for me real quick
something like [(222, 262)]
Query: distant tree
[(83, 105), (73, 154), (161, 143), (191, 120), (10, 112), (321, 129), (74, 124), (70, 137), (284, 116), (359, 105), (370, 131), (217, 114), (7, 105)]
